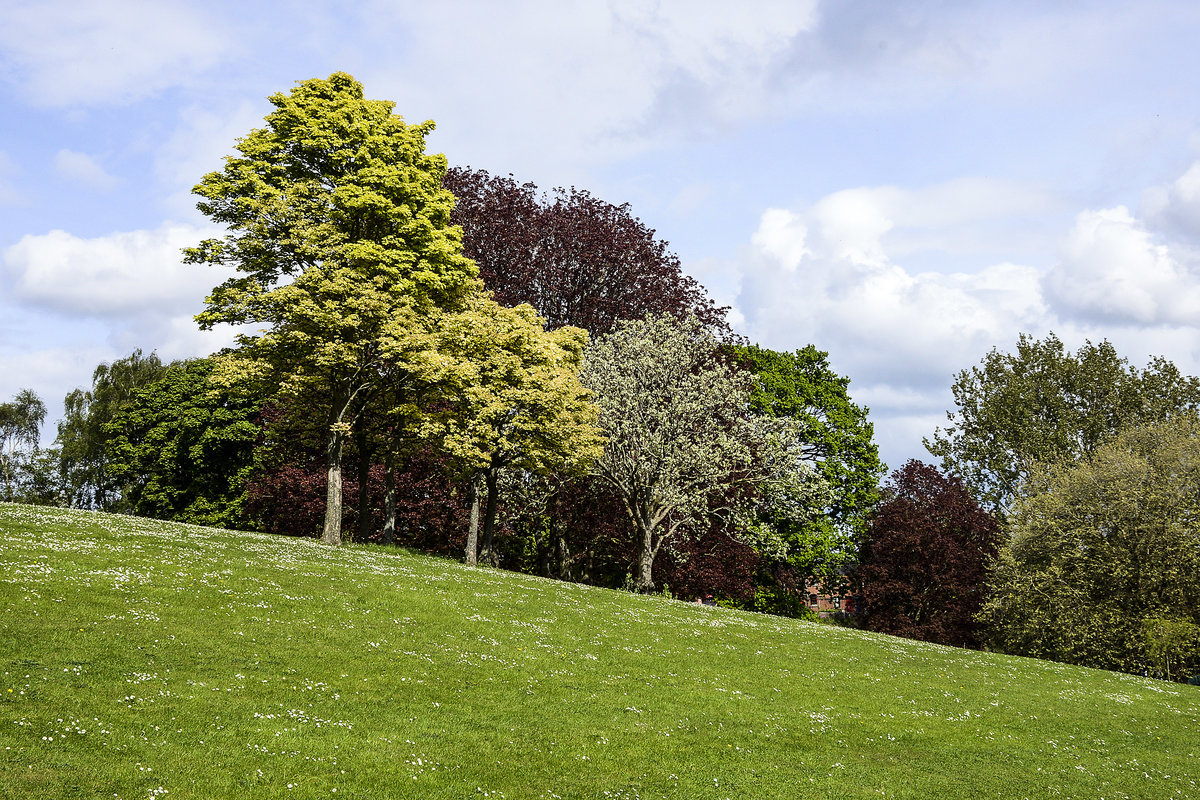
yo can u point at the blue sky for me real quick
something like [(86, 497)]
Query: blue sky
[(904, 184)]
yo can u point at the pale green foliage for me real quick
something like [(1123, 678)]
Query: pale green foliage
[(515, 400), (20, 423), (515, 390), (340, 229), (1098, 546), (680, 433)]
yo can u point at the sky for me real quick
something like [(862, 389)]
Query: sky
[(906, 185)]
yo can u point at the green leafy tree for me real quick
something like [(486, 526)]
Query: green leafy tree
[(516, 403), (681, 443), (81, 440), (835, 437), (1099, 546), (340, 230), (20, 426), (181, 449), (1045, 404), (1170, 642)]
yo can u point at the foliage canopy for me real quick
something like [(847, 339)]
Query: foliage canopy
[(1100, 546), (340, 230), (1045, 404)]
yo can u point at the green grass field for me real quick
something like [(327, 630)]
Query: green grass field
[(144, 659)]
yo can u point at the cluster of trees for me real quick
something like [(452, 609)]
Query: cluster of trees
[(1089, 549), (460, 363)]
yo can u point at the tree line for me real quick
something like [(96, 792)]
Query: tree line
[(460, 363)]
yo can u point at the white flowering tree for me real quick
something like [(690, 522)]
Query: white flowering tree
[(683, 445)]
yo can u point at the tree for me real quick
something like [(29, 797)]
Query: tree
[(1044, 404), (922, 564), (1099, 546), (83, 458), (1169, 642), (835, 437), (20, 425), (181, 449), (341, 231), (576, 259), (680, 439), (516, 401)]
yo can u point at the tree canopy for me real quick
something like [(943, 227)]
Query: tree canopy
[(1098, 547), (83, 435), (181, 449), (340, 230), (923, 559), (1045, 404), (834, 436), (576, 259), (679, 434), (514, 400), (20, 425)]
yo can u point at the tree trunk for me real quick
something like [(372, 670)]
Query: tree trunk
[(473, 532), (645, 557), (488, 554), (332, 535), (389, 502)]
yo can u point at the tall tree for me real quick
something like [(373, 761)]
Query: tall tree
[(341, 231), (835, 437), (516, 402), (20, 425), (180, 449), (923, 559), (1045, 404), (82, 438), (680, 440), (1098, 547), (576, 259)]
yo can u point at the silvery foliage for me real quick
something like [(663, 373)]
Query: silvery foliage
[(682, 443)]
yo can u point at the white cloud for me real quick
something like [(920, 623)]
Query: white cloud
[(138, 273), (94, 52), (1112, 269), (82, 168), (840, 273), (566, 82), (1176, 207)]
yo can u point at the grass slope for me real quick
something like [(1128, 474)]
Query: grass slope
[(143, 659)]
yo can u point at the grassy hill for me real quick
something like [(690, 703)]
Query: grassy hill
[(143, 659)]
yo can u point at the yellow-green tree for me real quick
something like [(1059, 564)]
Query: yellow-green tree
[(340, 231), (515, 401)]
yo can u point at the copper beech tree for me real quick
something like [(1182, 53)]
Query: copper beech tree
[(575, 258), (923, 560)]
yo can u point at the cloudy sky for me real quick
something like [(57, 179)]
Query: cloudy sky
[(904, 184)]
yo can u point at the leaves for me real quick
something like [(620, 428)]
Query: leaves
[(1098, 546), (1043, 404)]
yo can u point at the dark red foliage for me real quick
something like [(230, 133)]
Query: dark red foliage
[(575, 258), (921, 566), (711, 563)]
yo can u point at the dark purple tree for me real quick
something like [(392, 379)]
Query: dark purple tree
[(575, 258), (922, 561)]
